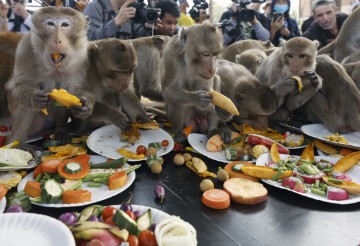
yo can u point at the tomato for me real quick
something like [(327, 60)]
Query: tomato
[(109, 220), (108, 212), (165, 143), (4, 128), (131, 215), (141, 149), (133, 240), (147, 238)]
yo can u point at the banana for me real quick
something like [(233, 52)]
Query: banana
[(298, 80)]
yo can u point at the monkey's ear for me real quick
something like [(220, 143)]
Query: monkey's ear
[(282, 43), (268, 44), (93, 51), (239, 96), (160, 42), (317, 43), (183, 36)]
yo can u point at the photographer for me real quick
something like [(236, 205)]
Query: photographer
[(110, 18), (198, 11), (245, 23), (16, 18), (166, 24)]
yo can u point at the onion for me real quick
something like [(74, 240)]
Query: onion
[(160, 192), (14, 209), (137, 213), (126, 207), (93, 218), (68, 218), (152, 227)]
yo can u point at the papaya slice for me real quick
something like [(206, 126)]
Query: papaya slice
[(85, 168), (76, 196), (274, 153), (64, 98), (238, 173), (32, 188), (308, 153), (129, 154), (347, 162), (263, 172), (327, 149), (116, 180)]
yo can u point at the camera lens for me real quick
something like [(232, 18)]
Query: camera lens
[(151, 15)]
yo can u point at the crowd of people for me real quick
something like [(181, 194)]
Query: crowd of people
[(127, 19)]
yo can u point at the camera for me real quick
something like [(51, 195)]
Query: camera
[(243, 13), (195, 10), (145, 14), (229, 29)]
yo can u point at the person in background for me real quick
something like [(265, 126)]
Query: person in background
[(267, 10), (327, 22), (167, 22), (283, 27), (185, 20), (110, 18), (307, 23), (16, 18)]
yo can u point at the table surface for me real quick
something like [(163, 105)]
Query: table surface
[(284, 219)]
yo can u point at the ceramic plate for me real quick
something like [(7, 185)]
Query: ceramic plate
[(18, 229), (319, 131), (98, 193), (354, 173), (2, 204), (106, 141), (31, 164)]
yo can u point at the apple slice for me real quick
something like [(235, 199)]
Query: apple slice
[(245, 191)]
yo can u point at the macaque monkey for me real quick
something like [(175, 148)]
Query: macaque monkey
[(296, 57), (345, 48), (189, 73), (8, 44), (53, 55), (254, 99), (353, 70), (251, 59), (111, 69), (229, 53), (336, 104), (148, 73)]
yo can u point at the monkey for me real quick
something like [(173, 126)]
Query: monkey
[(8, 44), (353, 70), (238, 47), (251, 59), (189, 73), (148, 73), (254, 99), (345, 47), (295, 57), (53, 55), (336, 104), (110, 77)]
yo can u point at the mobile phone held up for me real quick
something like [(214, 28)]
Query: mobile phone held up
[(276, 15)]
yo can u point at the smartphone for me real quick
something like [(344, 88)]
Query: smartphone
[(276, 15)]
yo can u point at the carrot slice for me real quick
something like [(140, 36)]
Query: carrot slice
[(3, 191), (233, 174), (85, 168), (76, 196), (216, 199), (117, 180), (82, 158), (38, 170), (32, 188), (187, 130), (50, 166)]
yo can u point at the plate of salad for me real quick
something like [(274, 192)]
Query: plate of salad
[(105, 141), (305, 184), (94, 185), (15, 159)]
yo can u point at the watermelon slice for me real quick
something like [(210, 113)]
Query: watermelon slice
[(255, 139)]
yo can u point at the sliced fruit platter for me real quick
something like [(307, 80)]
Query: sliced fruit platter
[(77, 181), (322, 178), (135, 224)]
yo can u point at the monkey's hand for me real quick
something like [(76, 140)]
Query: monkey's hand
[(121, 121), (40, 100), (202, 99), (224, 132), (223, 114), (314, 79), (81, 112)]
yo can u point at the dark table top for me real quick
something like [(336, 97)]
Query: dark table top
[(284, 219)]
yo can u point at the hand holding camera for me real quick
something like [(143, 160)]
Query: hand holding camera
[(4, 8), (19, 9), (125, 13)]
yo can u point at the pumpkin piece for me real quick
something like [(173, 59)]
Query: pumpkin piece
[(347, 162), (85, 169), (308, 153), (234, 173), (274, 153), (117, 180), (33, 189), (263, 172), (76, 196), (64, 98)]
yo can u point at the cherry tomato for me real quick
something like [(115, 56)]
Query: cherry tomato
[(147, 238), (165, 143), (131, 215), (109, 220), (108, 212), (4, 128), (133, 240), (141, 149)]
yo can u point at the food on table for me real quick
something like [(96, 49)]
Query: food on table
[(222, 174), (199, 165), (269, 133), (33, 189), (323, 147), (245, 191), (350, 187), (129, 154), (294, 140), (187, 156), (216, 199), (347, 162), (294, 183), (274, 153), (131, 135), (117, 163), (206, 184), (263, 172), (336, 137), (14, 157), (204, 174), (117, 180), (141, 150), (155, 163), (76, 196), (179, 159), (223, 102), (308, 172), (159, 192), (64, 98), (75, 168), (234, 170), (187, 130), (3, 191), (308, 152), (19, 199), (215, 144), (151, 125), (64, 152), (254, 139), (10, 179), (258, 150), (338, 194)]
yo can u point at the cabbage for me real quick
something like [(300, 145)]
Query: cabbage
[(15, 157)]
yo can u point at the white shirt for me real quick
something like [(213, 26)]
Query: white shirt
[(23, 29)]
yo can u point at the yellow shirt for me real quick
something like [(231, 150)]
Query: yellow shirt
[(185, 20)]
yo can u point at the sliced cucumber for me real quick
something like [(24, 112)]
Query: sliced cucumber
[(51, 191), (72, 167), (124, 221), (111, 164), (231, 154), (90, 211), (144, 221), (156, 145), (237, 168)]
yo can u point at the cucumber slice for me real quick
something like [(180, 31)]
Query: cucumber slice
[(72, 167), (51, 191), (90, 211), (123, 220), (144, 221), (156, 145), (237, 168), (231, 154)]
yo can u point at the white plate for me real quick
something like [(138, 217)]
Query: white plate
[(319, 131), (106, 141), (98, 193), (354, 173), (31, 164), (18, 229), (2, 204), (198, 142)]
